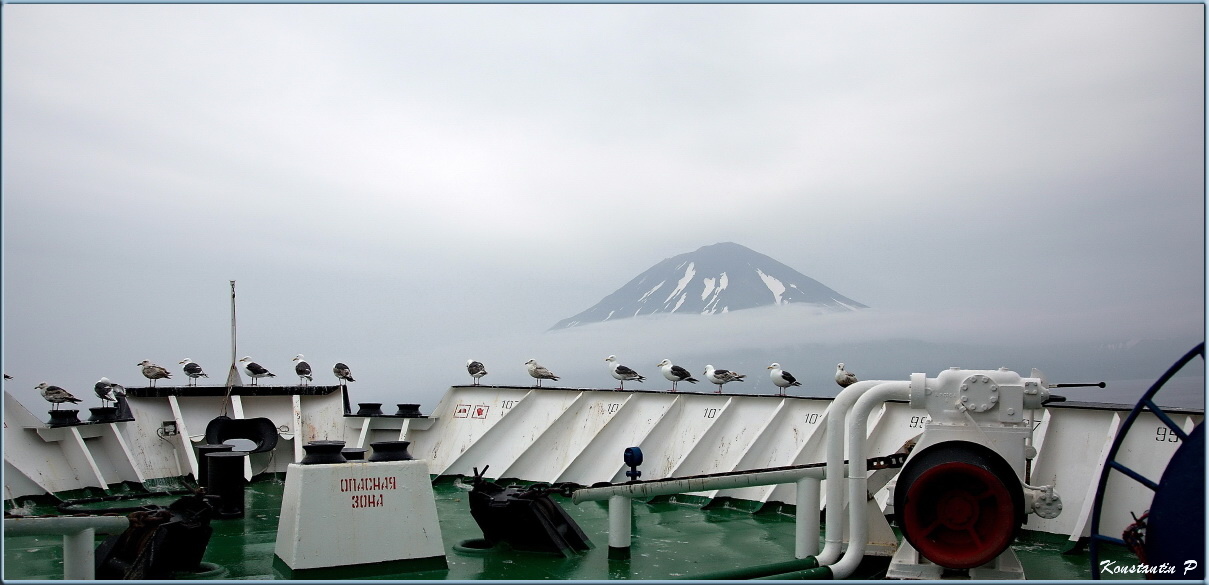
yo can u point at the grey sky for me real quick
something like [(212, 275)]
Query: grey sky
[(402, 187)]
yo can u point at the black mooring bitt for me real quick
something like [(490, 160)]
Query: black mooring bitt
[(528, 520)]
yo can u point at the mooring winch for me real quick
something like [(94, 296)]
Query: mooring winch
[(962, 495)]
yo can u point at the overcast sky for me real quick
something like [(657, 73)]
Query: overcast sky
[(403, 187)]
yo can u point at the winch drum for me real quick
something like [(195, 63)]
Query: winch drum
[(959, 504)]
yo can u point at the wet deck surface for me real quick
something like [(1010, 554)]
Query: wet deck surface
[(670, 540)]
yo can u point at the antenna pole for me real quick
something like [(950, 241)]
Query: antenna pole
[(233, 377), (233, 351)]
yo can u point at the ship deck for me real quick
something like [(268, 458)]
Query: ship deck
[(671, 540)]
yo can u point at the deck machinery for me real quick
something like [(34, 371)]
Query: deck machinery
[(963, 494)]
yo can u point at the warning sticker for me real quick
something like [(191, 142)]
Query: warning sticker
[(480, 411), (461, 411)]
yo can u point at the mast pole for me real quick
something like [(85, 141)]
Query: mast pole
[(233, 377), (233, 351)]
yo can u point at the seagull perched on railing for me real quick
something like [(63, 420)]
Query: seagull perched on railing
[(105, 390), (720, 377), (55, 395), (255, 370), (781, 378), (153, 372), (476, 369), (192, 370), (303, 370), (622, 373), (539, 372), (342, 372), (843, 377), (675, 373)]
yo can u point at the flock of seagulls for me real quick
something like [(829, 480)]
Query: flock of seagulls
[(109, 392), (675, 374)]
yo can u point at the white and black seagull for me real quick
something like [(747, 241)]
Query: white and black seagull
[(192, 370), (255, 370), (108, 391), (622, 373), (843, 377), (720, 377), (675, 373), (153, 372), (55, 395), (781, 378), (539, 372), (303, 370), (343, 374), (476, 369)]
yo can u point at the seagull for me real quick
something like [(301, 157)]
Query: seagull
[(539, 372), (781, 378), (153, 372), (55, 395), (104, 389), (255, 370), (675, 373), (721, 377), (843, 377), (342, 372), (303, 370), (192, 370), (621, 372), (477, 370)]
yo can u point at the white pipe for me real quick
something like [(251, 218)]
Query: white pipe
[(79, 556), (650, 489), (64, 525), (858, 475), (835, 469), (619, 522), (806, 535)]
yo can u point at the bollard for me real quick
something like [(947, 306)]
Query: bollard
[(226, 481), (202, 451)]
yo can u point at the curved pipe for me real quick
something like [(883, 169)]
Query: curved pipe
[(858, 476), (834, 540)]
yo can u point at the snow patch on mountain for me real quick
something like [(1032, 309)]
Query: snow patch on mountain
[(775, 286), (688, 277)]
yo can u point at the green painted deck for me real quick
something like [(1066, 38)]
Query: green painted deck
[(670, 540)]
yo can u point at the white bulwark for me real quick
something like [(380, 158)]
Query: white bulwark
[(358, 513)]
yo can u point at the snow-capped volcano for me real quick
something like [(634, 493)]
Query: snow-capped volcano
[(713, 279)]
